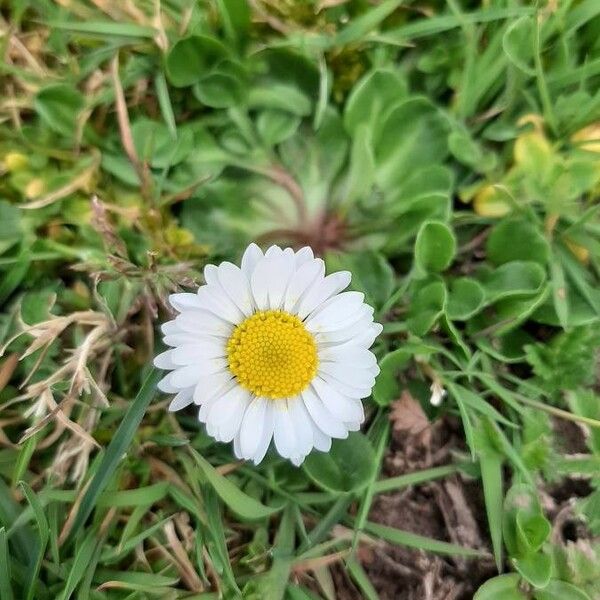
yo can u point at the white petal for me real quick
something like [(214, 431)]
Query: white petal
[(266, 435), (274, 251), (214, 299), (321, 441), (283, 270), (363, 340), (340, 406), (360, 378), (236, 286), (304, 255), (236, 446), (212, 385), (306, 276), (206, 406), (322, 291), (210, 275), (182, 399), (303, 425), (185, 300), (225, 416), (339, 311), (166, 385), (169, 327), (191, 374), (323, 419), (259, 283), (250, 259), (203, 322), (164, 360), (284, 432), (177, 339), (252, 427), (364, 318), (270, 280), (348, 354), (344, 388), (198, 352), (353, 426)]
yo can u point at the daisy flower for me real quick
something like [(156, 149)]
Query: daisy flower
[(272, 350)]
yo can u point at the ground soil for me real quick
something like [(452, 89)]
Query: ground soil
[(451, 509)]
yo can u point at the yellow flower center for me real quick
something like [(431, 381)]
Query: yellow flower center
[(272, 355)]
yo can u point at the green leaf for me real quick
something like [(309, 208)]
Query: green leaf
[(503, 587), (83, 556), (517, 43), (413, 540), (192, 58), (10, 223), (560, 590), (275, 126), (386, 387), (219, 90), (43, 535), (240, 503), (514, 279), (59, 105), (155, 144), (517, 239), (279, 96), (426, 307), (114, 453), (491, 476), (273, 585), (412, 135), (371, 97), (435, 247), (535, 568), (5, 585), (465, 299), (347, 467), (235, 15)]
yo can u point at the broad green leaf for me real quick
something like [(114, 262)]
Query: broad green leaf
[(371, 97), (561, 590), (435, 247), (426, 307), (155, 144), (518, 43), (503, 587), (517, 239), (275, 126), (412, 135), (516, 278), (535, 568), (59, 105), (347, 467), (386, 387), (239, 502), (465, 298), (192, 58)]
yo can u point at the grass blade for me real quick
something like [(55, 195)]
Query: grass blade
[(117, 447)]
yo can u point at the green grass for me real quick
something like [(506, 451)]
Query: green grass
[(447, 153)]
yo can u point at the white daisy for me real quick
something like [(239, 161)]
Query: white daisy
[(272, 350)]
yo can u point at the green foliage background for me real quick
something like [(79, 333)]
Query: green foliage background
[(447, 153)]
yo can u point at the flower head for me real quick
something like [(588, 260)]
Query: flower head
[(272, 350)]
